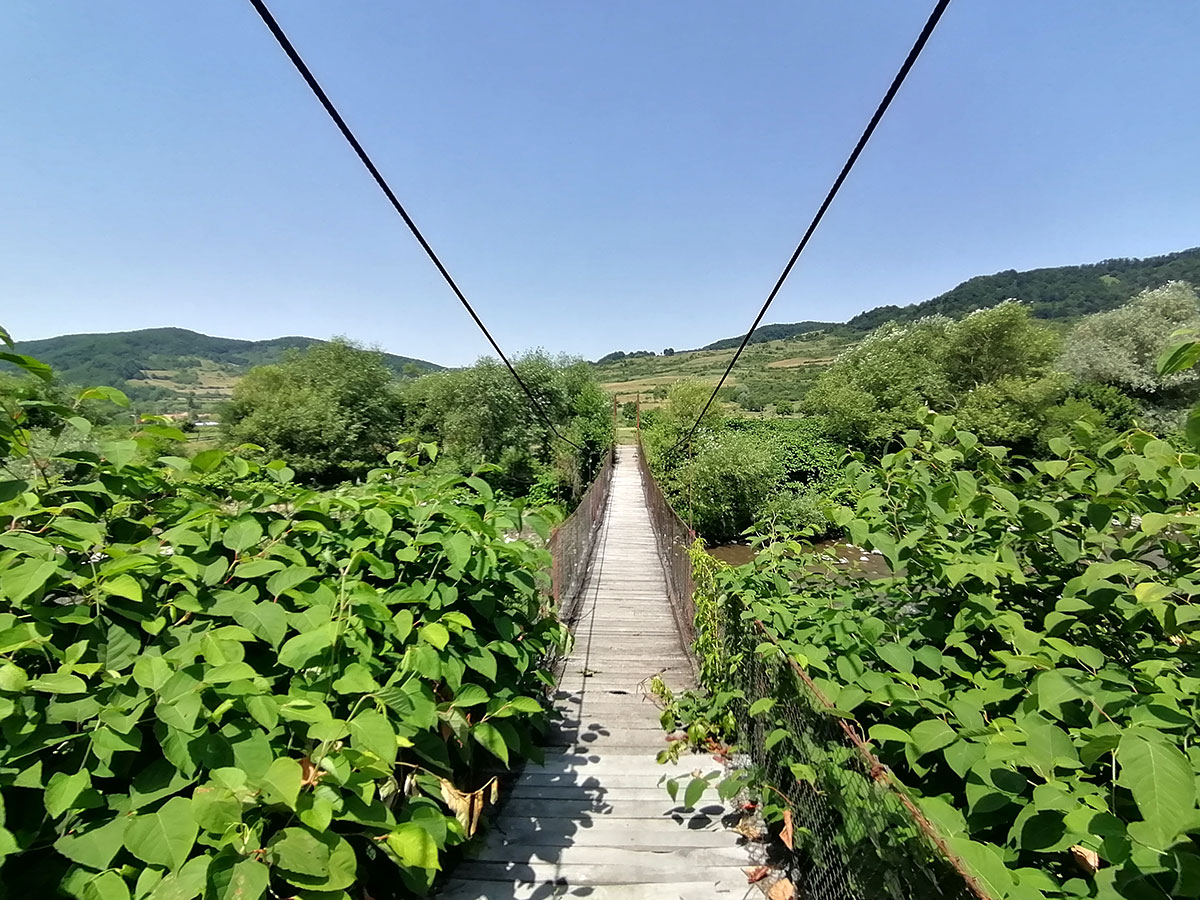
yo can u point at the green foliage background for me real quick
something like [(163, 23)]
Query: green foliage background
[(227, 692), (1029, 671)]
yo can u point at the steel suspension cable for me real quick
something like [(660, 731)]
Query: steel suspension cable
[(286, 45), (915, 52)]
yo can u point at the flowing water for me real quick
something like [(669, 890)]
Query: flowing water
[(844, 556)]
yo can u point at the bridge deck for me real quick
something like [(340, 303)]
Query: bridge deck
[(594, 821)]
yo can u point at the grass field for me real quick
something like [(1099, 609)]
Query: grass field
[(775, 370)]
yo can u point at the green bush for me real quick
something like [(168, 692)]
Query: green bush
[(483, 421), (1030, 671), (234, 693), (742, 473)]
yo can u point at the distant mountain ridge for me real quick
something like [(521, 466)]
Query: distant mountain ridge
[(124, 354), (173, 359), (1058, 292)]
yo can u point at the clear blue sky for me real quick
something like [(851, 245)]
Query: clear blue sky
[(599, 176)]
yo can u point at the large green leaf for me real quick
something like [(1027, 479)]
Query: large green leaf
[(106, 886), (291, 577), (243, 534), (473, 695), (59, 683), (94, 847), (33, 366), (1053, 689), (22, 580), (930, 735), (436, 634), (216, 808), (370, 731), (320, 862), (302, 650), (491, 740), (695, 790), (63, 790), (264, 620), (186, 884), (413, 846), (1179, 357), (282, 781), (1161, 780), (457, 548), (151, 672), (985, 863), (231, 878), (164, 837)]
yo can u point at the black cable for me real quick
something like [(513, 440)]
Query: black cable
[(265, 14), (922, 38)]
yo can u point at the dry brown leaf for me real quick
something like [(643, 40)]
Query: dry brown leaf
[(411, 788), (309, 773), (468, 807), (786, 835), (757, 874), (749, 830), (1087, 860), (783, 889)]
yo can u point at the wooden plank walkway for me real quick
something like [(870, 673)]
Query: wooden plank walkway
[(594, 821)]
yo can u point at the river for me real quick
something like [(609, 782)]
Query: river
[(838, 553)]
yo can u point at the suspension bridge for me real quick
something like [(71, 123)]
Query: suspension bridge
[(594, 820)]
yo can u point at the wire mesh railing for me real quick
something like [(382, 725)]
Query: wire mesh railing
[(573, 542), (674, 538), (858, 834)]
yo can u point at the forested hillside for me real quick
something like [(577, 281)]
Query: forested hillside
[(764, 333), (158, 363), (1061, 292)]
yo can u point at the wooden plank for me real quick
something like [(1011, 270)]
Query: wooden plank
[(594, 819), (670, 867), (562, 889)]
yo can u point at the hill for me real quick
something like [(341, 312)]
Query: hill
[(164, 363), (782, 359), (1060, 292), (765, 333)]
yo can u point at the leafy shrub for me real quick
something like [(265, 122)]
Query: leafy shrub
[(990, 367), (792, 511), (480, 417), (1031, 668), (229, 693), (331, 410), (743, 472), (1121, 347)]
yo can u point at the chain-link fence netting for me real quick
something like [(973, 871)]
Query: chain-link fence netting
[(573, 543), (858, 835), (674, 539)]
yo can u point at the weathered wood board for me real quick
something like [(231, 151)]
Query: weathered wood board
[(594, 820)]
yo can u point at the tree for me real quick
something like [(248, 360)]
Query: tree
[(881, 386), (670, 351), (480, 415), (992, 366), (1001, 342), (783, 408), (1121, 347), (331, 411)]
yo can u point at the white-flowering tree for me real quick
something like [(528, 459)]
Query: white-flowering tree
[(1121, 347)]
